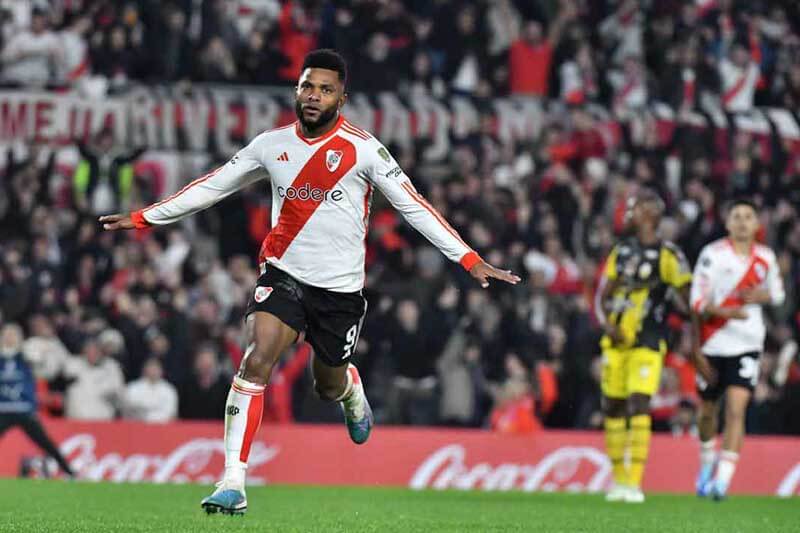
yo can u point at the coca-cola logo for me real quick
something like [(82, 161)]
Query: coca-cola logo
[(570, 468), (192, 461)]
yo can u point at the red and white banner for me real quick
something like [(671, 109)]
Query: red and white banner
[(416, 458), (220, 119)]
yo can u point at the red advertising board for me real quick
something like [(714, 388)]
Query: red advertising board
[(417, 458)]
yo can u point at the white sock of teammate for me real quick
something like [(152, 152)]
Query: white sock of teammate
[(708, 452), (243, 412), (351, 401), (726, 468), (347, 394)]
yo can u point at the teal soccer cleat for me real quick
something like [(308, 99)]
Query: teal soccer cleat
[(704, 480), (719, 490), (357, 412), (225, 500)]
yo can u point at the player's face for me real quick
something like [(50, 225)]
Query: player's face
[(742, 223), (319, 96), (640, 212)]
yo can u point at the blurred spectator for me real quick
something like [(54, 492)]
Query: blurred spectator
[(297, 37), (104, 176), (530, 57), (151, 398), (216, 62), (259, 60), (97, 385), (514, 406), (739, 75), (18, 395), (75, 64), (43, 349), (413, 397), (203, 396), (173, 59), (32, 56)]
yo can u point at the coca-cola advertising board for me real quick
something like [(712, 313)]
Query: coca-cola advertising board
[(417, 458)]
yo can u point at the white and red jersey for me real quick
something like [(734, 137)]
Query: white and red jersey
[(321, 190), (738, 85), (719, 277)]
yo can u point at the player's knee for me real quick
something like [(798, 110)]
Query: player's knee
[(639, 404), (327, 391), (734, 414), (257, 364)]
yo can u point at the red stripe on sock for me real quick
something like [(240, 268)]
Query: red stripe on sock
[(354, 375), (254, 414)]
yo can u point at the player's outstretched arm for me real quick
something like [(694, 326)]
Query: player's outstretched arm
[(387, 175), (242, 170)]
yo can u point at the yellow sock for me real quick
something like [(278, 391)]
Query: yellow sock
[(615, 448), (640, 446)]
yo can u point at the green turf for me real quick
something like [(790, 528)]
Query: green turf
[(45, 506)]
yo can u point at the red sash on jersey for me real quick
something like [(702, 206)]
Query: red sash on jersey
[(750, 279), (626, 90), (731, 93)]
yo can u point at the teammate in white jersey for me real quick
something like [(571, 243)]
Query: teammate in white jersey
[(733, 279), (322, 170)]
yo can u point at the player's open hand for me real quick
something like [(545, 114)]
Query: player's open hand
[(482, 271), (756, 296), (733, 313), (117, 221)]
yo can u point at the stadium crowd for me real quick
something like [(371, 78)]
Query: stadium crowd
[(148, 325)]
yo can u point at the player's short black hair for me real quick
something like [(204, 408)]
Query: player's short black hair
[(742, 200), (648, 195), (327, 59)]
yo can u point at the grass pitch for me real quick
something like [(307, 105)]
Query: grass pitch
[(55, 506)]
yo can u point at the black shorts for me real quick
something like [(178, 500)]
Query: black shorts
[(332, 320), (739, 370)]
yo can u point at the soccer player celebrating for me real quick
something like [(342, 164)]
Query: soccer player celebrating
[(734, 277), (322, 170), (631, 302)]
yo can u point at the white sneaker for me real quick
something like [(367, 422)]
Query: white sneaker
[(225, 499), (634, 495), (617, 493)]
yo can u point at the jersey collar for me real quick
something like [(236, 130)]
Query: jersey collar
[(310, 141), (734, 252)]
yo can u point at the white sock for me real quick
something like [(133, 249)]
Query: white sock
[(708, 452), (243, 411), (348, 388), (726, 467)]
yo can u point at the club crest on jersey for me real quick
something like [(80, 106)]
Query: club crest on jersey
[(262, 293), (645, 269), (332, 159)]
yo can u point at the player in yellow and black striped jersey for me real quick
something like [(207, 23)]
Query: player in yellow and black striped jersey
[(642, 273)]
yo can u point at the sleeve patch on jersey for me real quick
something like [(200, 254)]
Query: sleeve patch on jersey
[(384, 153), (396, 172)]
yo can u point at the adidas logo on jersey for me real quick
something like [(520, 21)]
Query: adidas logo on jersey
[(283, 157)]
